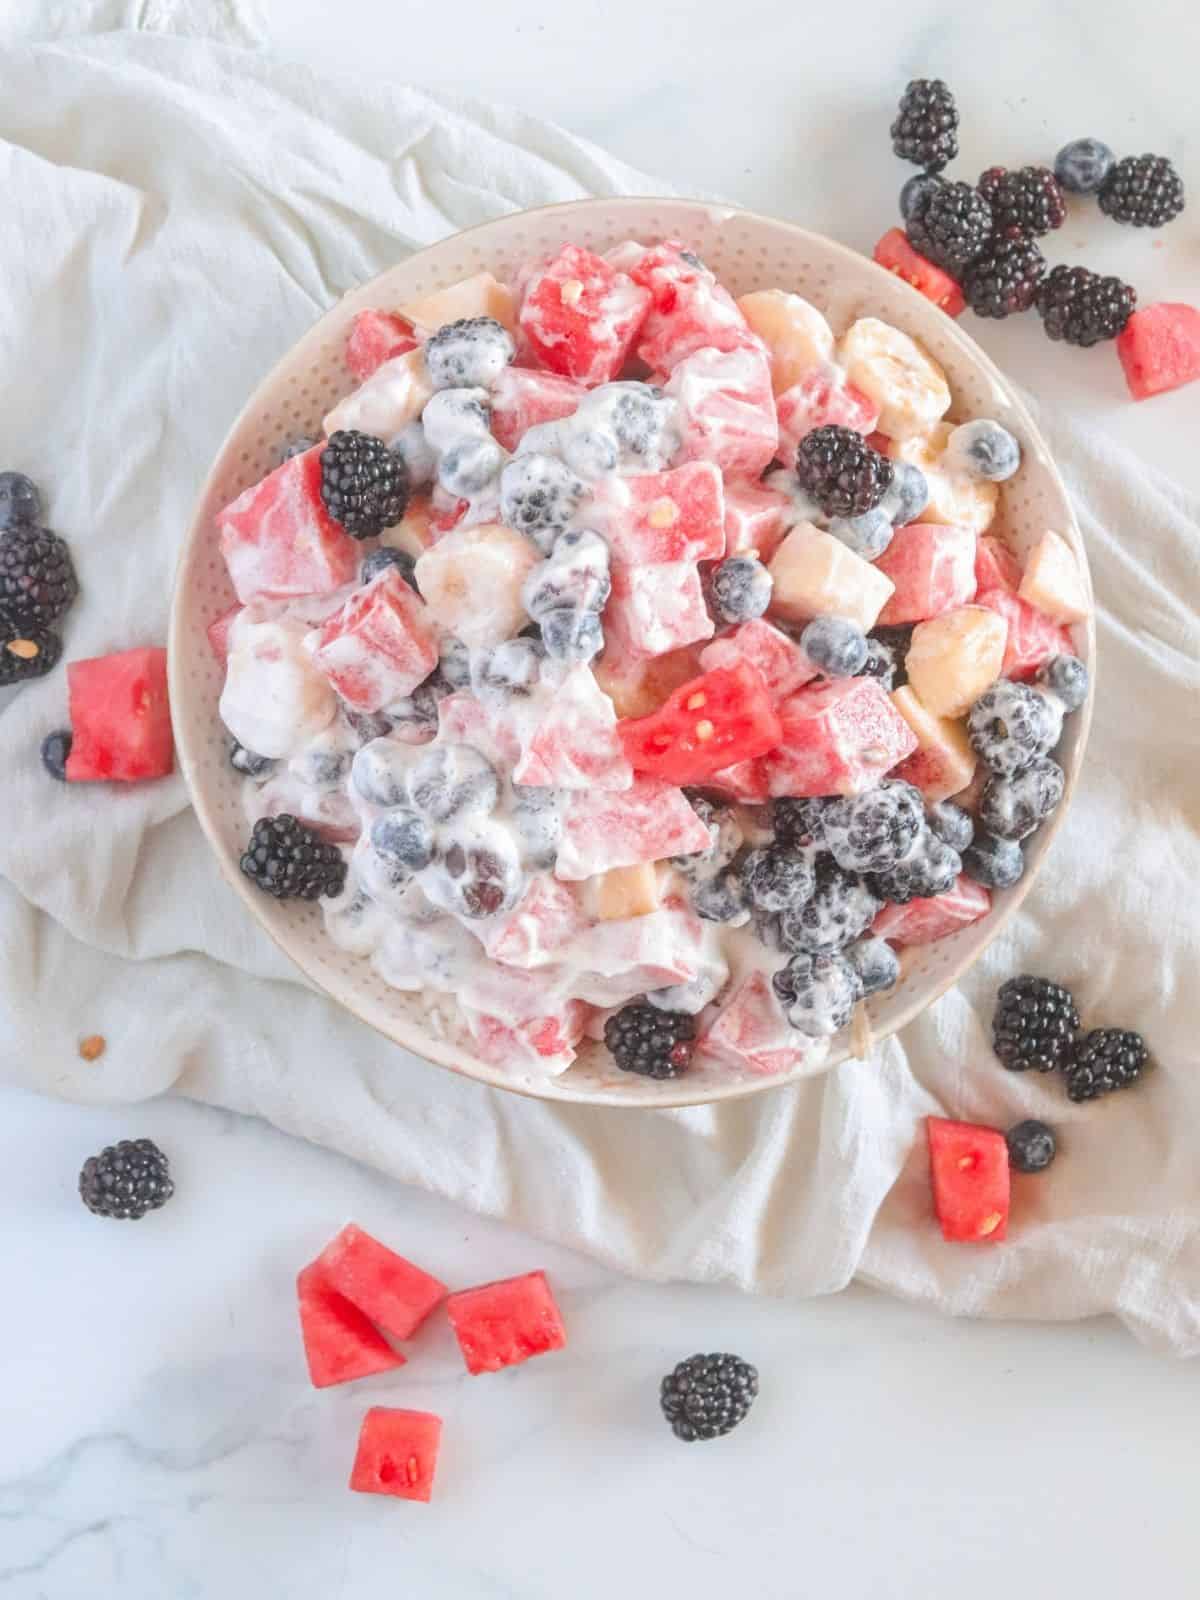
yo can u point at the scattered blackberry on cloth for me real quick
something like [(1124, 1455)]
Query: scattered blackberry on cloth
[(1013, 808), (842, 473), (653, 1043), (468, 354), (875, 830), (1029, 199), (1145, 191), (37, 578), (20, 500), (1105, 1059), (26, 653), (56, 747), (1011, 725), (364, 484), (290, 861), (1083, 308), (126, 1180), (707, 1396), (1031, 1146), (1035, 1024), (1005, 278), (925, 131), (951, 225)]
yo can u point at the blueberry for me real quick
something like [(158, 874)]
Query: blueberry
[(575, 574), (834, 646), (873, 831), (1082, 166), (367, 725), (20, 501), (379, 772), (817, 992), (741, 589), (1031, 1145), (56, 747), (720, 899), (466, 469), (776, 879), (868, 536), (403, 837), (415, 718), (479, 875), (1067, 678), (455, 415), (1013, 808), (469, 354), (295, 446), (983, 449), (510, 668), (450, 780), (537, 822), (454, 662), (908, 494), (572, 635), (320, 767), (417, 454), (876, 964), (380, 560), (248, 762), (538, 496), (952, 824), (995, 863), (915, 194)]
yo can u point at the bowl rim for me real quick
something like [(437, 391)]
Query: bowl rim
[(672, 1093)]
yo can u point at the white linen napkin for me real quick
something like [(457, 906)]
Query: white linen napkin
[(178, 212)]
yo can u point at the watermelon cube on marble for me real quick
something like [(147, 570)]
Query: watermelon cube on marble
[(380, 645), (755, 519), (839, 737), (727, 408), (662, 517), (504, 1323), (524, 399), (581, 316), (932, 565), (1031, 636), (822, 397), (896, 254), (375, 337), (396, 1295), (649, 821), (751, 1034), (780, 661), (397, 1453), (924, 921), (120, 718), (1159, 348), (656, 609), (341, 1343), (279, 542), (971, 1180)]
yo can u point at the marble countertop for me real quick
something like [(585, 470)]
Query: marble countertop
[(158, 1438)]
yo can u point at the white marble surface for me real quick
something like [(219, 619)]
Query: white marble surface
[(158, 1438)]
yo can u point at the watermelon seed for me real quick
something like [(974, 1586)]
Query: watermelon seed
[(966, 1163), (704, 730), (695, 701), (990, 1223)]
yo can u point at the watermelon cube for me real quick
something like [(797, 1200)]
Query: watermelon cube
[(1032, 637), (823, 396), (677, 515), (943, 762), (395, 1294), (747, 781), (778, 659), (755, 519), (462, 719), (932, 565), (638, 684), (1159, 348), (896, 254), (375, 337), (1054, 581), (839, 737), (120, 717), (795, 333), (717, 720), (397, 1453), (727, 408), (538, 928), (953, 658), (689, 311), (647, 822), (523, 399), (656, 609), (816, 575), (969, 1173), (924, 921), (543, 1044), (340, 1342), (218, 634), (279, 541), (614, 960), (580, 316), (501, 1324), (394, 395), (751, 1034), (996, 565), (478, 296), (569, 736), (380, 645)]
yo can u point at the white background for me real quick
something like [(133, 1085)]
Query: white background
[(157, 1435)]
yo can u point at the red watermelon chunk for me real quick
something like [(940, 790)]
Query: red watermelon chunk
[(1159, 348), (996, 565), (969, 1172), (932, 565), (823, 397), (839, 737), (751, 1034), (340, 1343), (689, 311), (722, 717), (754, 519), (544, 920), (522, 399), (279, 541), (568, 733), (543, 1044), (925, 921), (896, 254), (395, 1294), (120, 717), (648, 822), (502, 1324), (653, 610), (778, 659), (397, 1453), (1033, 637), (580, 316), (748, 781), (218, 633), (375, 337), (380, 645), (659, 517), (727, 404)]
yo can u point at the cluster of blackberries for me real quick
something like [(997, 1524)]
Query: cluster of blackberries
[(1036, 1028), (37, 583)]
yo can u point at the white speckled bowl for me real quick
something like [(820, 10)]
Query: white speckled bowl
[(747, 252)]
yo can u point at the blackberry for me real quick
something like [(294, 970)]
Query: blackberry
[(1029, 199), (995, 863), (405, 838), (951, 226), (1066, 677), (126, 1180), (650, 1042), (1013, 808), (836, 646), (468, 354), (720, 899), (844, 475), (876, 964), (56, 747), (741, 589), (1145, 191), (37, 578), (817, 992), (575, 575), (290, 861), (1031, 1146), (380, 560), (26, 653), (538, 497), (707, 1396), (982, 449), (915, 193), (951, 824), (452, 780), (896, 640), (800, 822), (869, 535), (1012, 724), (510, 669), (1081, 307), (1082, 166), (1034, 1025), (364, 484), (481, 878), (775, 879), (925, 129), (929, 869), (842, 907), (249, 762), (908, 495), (1005, 278), (1105, 1059), (875, 830), (20, 501), (880, 664)]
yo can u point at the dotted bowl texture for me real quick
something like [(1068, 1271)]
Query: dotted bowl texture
[(747, 252)]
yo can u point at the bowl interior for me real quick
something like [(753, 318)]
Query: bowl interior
[(747, 252)]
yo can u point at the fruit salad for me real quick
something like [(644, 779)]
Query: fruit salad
[(632, 665)]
